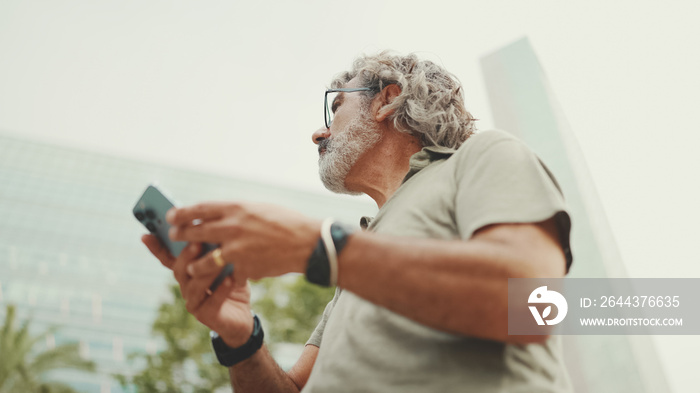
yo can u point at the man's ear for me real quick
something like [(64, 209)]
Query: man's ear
[(386, 97)]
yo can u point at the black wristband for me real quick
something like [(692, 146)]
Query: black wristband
[(228, 356), (318, 269)]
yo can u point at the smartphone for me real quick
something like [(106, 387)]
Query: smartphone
[(150, 211)]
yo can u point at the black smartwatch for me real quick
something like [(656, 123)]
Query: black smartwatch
[(228, 356), (321, 268)]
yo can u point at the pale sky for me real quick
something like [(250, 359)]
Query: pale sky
[(237, 89)]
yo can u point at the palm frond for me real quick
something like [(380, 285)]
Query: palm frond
[(22, 369), (63, 356)]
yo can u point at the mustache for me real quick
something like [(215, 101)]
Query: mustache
[(323, 145)]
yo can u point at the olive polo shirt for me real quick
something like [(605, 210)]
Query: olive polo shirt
[(492, 178)]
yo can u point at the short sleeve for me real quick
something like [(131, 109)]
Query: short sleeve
[(500, 180), (317, 334)]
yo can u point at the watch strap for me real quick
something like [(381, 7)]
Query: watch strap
[(228, 356), (318, 268), (322, 266)]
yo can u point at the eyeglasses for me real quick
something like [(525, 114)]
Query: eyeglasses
[(327, 112)]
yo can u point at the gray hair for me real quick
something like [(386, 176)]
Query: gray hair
[(431, 103)]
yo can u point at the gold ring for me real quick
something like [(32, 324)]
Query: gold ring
[(218, 259)]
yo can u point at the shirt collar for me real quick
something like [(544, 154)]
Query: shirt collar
[(427, 156)]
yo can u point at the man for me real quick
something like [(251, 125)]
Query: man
[(422, 299)]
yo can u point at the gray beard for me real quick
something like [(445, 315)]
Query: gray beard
[(343, 151)]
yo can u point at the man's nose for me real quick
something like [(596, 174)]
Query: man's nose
[(320, 134)]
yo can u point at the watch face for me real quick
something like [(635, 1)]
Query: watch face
[(340, 233)]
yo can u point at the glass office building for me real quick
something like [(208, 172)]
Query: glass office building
[(70, 253)]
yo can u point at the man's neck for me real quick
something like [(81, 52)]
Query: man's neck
[(381, 170)]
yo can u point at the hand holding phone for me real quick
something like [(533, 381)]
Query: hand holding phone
[(150, 211)]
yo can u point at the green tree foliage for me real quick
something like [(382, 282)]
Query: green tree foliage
[(22, 369), (187, 364), (291, 308)]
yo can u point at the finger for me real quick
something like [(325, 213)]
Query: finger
[(222, 293), (225, 272), (203, 211), (211, 232), (187, 256), (206, 265), (195, 293), (156, 248), (239, 280), (199, 289), (209, 305), (191, 252), (228, 290)]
